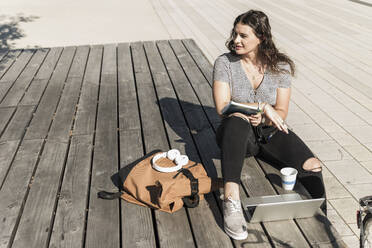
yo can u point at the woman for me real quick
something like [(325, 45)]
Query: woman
[(257, 74)]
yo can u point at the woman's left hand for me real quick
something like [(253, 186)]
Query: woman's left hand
[(255, 119)]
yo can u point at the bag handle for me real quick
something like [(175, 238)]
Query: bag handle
[(109, 195)]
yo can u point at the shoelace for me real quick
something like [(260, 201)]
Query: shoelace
[(232, 206)]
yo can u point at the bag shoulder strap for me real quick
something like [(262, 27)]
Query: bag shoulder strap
[(192, 200)]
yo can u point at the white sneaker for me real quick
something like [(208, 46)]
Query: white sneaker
[(234, 222)]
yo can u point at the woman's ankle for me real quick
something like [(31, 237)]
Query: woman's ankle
[(231, 189)]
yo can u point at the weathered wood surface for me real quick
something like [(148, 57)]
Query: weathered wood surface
[(131, 148), (105, 159), (71, 117)]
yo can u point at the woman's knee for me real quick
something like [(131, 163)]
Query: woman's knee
[(313, 165), (239, 115)]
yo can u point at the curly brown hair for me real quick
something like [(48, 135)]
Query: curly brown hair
[(268, 54)]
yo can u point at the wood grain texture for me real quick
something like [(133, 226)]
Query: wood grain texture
[(127, 100), (65, 113), (8, 60), (19, 87), (17, 126), (171, 228), (14, 190), (7, 81), (105, 160), (131, 148), (197, 80), (199, 58), (133, 233), (44, 114), (6, 115), (87, 106), (7, 152), (41, 79), (35, 223), (68, 228)]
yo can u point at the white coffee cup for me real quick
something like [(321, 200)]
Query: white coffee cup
[(288, 175)]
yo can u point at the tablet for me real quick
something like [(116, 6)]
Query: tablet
[(280, 207), (233, 107)]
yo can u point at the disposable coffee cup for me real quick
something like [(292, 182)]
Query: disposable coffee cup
[(288, 175)]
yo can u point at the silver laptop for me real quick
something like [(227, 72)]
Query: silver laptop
[(280, 207)]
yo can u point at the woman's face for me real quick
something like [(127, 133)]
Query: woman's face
[(245, 40)]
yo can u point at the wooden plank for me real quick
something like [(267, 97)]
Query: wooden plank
[(131, 148), (45, 194), (15, 189), (41, 79), (16, 68), (69, 222), (6, 114), (200, 59), (3, 53), (318, 230), (103, 216), (197, 80), (172, 229), (87, 106), (190, 104), (207, 215), (23, 81), (8, 60), (7, 151), (44, 114), (12, 74), (17, 126), (13, 135), (201, 131), (50, 62), (64, 116), (35, 222), (133, 233)]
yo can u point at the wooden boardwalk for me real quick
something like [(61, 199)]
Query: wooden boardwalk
[(72, 117)]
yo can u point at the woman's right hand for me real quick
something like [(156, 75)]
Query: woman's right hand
[(271, 114)]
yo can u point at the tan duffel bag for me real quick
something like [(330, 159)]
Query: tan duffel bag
[(162, 184)]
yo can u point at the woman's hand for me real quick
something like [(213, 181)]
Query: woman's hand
[(255, 119), (272, 115)]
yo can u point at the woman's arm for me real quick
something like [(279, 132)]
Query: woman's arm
[(221, 95), (282, 101), (277, 114)]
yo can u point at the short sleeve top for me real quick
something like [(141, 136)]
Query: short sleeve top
[(228, 68)]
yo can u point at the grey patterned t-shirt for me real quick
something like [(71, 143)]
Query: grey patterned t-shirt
[(228, 68)]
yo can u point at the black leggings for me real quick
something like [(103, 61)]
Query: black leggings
[(237, 140)]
